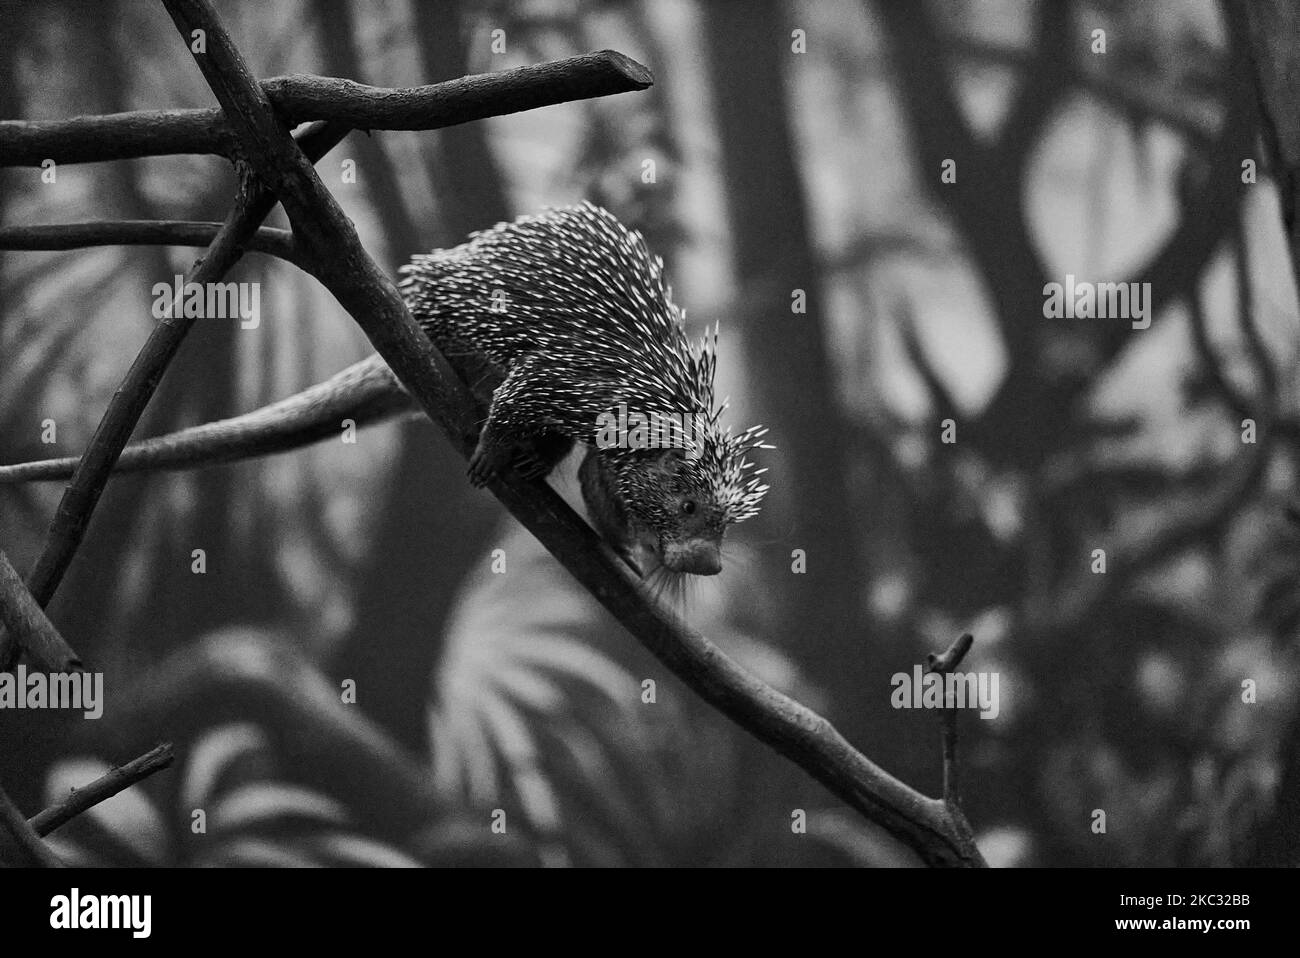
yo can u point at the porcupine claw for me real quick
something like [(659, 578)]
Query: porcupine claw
[(484, 465), (531, 466)]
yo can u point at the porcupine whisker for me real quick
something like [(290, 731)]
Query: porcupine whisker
[(677, 587), (738, 553)]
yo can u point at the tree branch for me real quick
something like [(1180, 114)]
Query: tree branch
[(945, 406), (1212, 367), (1199, 518), (62, 236), (298, 99), (1126, 96), (1042, 88), (331, 243), (1272, 25), (941, 664), (26, 623), (103, 788), (1248, 321)]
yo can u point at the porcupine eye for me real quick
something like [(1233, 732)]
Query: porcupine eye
[(688, 507)]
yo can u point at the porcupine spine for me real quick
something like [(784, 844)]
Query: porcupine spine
[(575, 316)]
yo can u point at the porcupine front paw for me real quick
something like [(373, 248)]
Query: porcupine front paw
[(487, 463)]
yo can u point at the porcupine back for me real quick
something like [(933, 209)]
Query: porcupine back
[(577, 287), (580, 292)]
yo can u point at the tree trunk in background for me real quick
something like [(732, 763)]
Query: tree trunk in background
[(1274, 35), (432, 525), (1274, 27), (788, 368)]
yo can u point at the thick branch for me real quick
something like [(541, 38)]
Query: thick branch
[(1042, 88), (101, 789), (369, 295), (61, 236), (298, 99)]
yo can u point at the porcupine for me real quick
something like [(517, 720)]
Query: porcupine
[(554, 319)]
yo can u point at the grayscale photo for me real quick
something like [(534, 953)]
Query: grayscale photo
[(651, 434)]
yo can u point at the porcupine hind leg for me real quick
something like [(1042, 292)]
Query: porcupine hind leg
[(515, 435)]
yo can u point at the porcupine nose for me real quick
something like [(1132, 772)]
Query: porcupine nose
[(696, 556)]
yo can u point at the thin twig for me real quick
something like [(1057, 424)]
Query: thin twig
[(22, 839), (62, 236), (105, 787), (299, 99), (941, 665), (948, 660), (25, 620), (328, 238), (945, 406)]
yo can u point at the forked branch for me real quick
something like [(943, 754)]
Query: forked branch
[(336, 257)]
